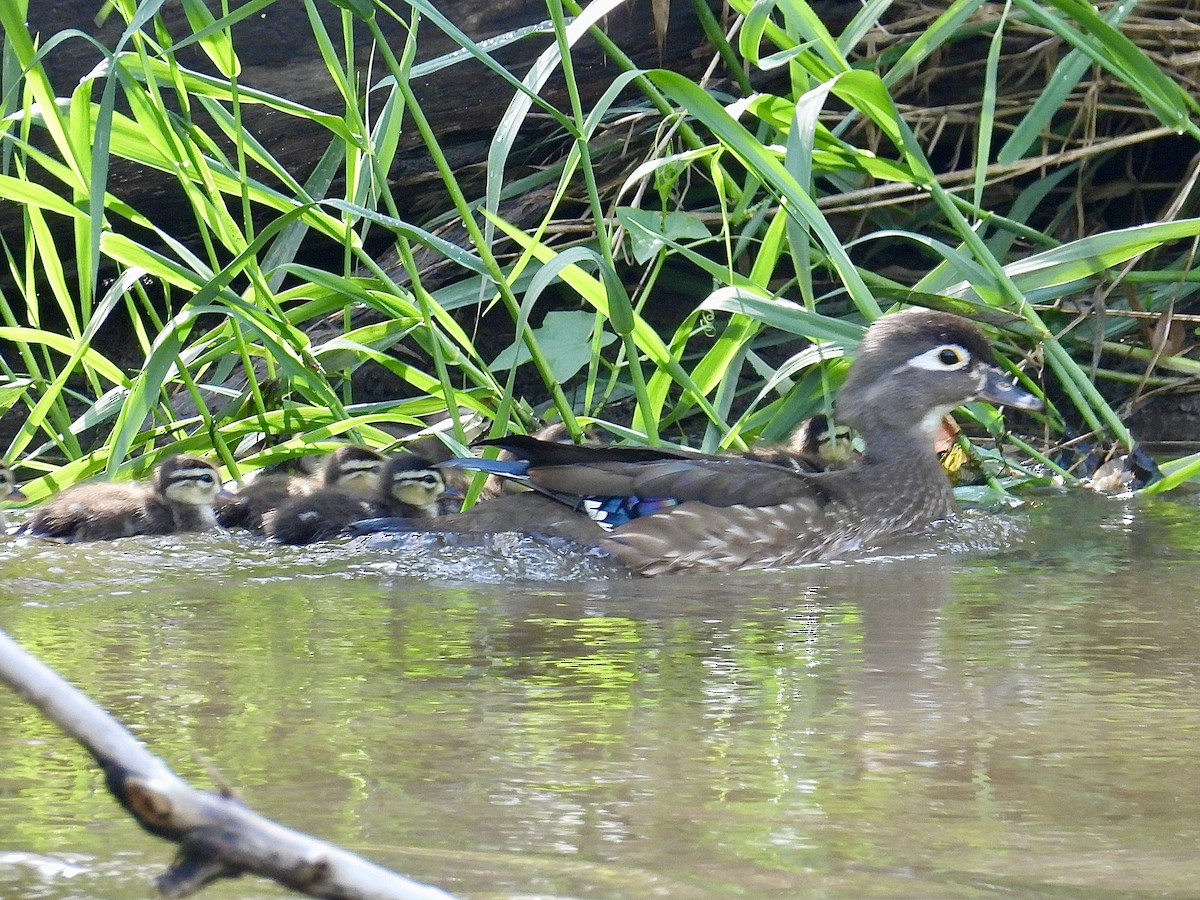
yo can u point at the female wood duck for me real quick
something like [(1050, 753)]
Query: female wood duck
[(409, 487), (180, 497), (10, 492), (349, 468), (659, 510)]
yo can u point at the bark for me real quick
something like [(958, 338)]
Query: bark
[(463, 102)]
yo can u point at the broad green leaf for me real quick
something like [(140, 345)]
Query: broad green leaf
[(677, 226), (566, 336)]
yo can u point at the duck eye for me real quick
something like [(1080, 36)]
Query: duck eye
[(204, 479), (942, 358)]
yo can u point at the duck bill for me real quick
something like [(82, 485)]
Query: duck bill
[(997, 389), (15, 496)]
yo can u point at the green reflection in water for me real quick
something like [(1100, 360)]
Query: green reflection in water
[(1019, 721)]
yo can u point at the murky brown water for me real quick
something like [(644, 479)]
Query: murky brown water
[(1012, 710)]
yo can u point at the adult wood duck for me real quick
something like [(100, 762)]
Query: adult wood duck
[(659, 510), (349, 468), (10, 492), (180, 497), (409, 487)]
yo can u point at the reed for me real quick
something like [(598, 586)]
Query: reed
[(778, 201)]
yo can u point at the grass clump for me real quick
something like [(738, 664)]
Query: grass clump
[(796, 195)]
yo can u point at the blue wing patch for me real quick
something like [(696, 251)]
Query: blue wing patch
[(610, 512)]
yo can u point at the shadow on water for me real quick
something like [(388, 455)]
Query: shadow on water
[(1010, 708)]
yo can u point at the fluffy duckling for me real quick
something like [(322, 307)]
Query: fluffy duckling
[(412, 487), (818, 445), (350, 468), (409, 487), (10, 492), (180, 497), (824, 443)]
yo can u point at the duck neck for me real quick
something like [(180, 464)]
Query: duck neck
[(901, 479), (889, 446)]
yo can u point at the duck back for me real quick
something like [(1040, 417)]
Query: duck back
[(261, 496), (320, 515), (93, 512)]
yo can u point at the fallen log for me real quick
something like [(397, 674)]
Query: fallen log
[(218, 835)]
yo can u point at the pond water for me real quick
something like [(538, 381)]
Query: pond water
[(1011, 708)]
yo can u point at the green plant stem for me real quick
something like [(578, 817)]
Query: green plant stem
[(464, 210)]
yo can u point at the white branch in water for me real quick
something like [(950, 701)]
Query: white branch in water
[(218, 836)]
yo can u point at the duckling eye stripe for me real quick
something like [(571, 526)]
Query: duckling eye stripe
[(931, 360), (193, 475)]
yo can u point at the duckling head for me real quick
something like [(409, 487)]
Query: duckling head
[(823, 443), (188, 480), (9, 489), (354, 468), (414, 481)]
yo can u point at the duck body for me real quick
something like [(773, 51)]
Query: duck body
[(258, 497), (180, 497), (685, 511), (660, 510), (407, 487), (317, 516), (351, 469)]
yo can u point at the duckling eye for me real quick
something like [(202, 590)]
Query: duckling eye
[(948, 356), (205, 478)]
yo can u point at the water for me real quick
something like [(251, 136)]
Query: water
[(1010, 709)]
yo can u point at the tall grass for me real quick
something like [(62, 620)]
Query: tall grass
[(748, 195)]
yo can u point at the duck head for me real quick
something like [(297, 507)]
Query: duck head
[(912, 368), (354, 468), (414, 481), (188, 480)]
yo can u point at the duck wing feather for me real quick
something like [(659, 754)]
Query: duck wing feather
[(716, 481)]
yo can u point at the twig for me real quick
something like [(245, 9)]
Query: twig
[(218, 836)]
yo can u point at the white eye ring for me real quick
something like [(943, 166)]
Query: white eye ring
[(942, 358)]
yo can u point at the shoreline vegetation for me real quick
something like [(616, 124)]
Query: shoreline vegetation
[(703, 290)]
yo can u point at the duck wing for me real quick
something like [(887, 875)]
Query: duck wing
[(695, 535), (580, 472), (713, 480)]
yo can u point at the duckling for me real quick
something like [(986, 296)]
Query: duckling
[(10, 492), (412, 487), (180, 497), (824, 443), (658, 510), (351, 468), (818, 445), (409, 487)]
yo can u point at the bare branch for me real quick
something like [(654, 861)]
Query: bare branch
[(218, 836)]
